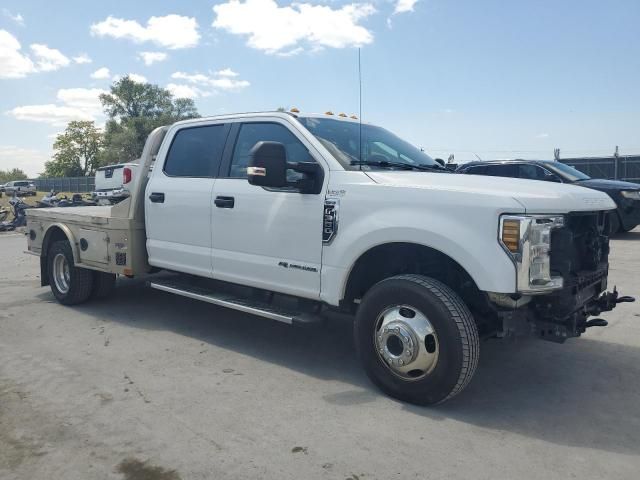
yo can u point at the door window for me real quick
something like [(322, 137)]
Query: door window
[(196, 152), (252, 133), (505, 170), (480, 170), (530, 172)]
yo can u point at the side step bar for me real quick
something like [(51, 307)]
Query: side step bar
[(227, 300)]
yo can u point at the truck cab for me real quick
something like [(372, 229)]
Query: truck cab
[(294, 216)]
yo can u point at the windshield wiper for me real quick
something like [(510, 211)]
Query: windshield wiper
[(405, 166)]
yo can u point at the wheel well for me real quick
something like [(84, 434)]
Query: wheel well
[(391, 259), (53, 235)]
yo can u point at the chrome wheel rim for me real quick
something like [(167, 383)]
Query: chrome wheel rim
[(406, 342), (61, 273)]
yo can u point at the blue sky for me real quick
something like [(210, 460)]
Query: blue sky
[(499, 79)]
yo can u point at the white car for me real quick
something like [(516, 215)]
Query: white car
[(291, 216), (112, 182), (20, 188)]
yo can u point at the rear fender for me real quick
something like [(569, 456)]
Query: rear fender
[(55, 232)]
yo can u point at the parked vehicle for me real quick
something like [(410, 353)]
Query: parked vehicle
[(289, 217), (53, 199), (626, 195), (20, 188), (19, 208), (112, 182)]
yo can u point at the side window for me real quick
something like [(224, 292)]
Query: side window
[(480, 170), (252, 133), (531, 172), (196, 152), (502, 170)]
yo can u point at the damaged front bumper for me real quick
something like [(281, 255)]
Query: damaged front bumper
[(558, 316)]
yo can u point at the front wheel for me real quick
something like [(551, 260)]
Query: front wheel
[(70, 285), (416, 339)]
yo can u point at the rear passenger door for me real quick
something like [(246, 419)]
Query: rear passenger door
[(178, 199)]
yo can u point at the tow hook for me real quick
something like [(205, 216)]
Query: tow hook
[(608, 302), (596, 322)]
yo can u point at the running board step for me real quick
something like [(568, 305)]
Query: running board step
[(247, 305)]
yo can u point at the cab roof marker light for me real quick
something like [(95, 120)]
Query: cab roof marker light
[(294, 110), (328, 112), (342, 115)]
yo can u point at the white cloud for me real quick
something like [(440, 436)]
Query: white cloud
[(221, 80), (226, 72), (73, 104), (82, 59), (186, 91), (16, 64), (171, 31), (272, 28), (13, 64), (86, 99), (542, 135), (48, 59), (16, 18), (403, 6), (137, 78), (149, 58), (101, 74), (29, 160)]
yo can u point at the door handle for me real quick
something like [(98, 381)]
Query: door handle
[(157, 197), (224, 202)]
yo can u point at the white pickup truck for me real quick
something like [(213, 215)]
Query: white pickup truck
[(291, 216)]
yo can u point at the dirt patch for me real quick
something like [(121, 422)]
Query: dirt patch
[(16, 446), (134, 469)]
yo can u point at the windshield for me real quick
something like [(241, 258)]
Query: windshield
[(380, 148), (566, 171)]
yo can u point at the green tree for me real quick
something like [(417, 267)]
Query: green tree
[(77, 151), (13, 174), (134, 110)]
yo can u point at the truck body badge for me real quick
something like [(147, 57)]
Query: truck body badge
[(330, 220)]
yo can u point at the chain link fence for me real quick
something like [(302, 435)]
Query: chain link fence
[(65, 184), (615, 168)]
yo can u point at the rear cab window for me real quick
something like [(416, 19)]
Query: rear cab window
[(196, 151)]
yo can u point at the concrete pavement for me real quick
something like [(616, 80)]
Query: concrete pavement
[(151, 386)]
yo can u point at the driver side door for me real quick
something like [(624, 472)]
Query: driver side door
[(268, 238)]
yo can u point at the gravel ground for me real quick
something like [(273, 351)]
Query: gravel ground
[(149, 386)]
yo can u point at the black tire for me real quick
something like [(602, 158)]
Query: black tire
[(456, 330), (614, 221), (80, 280), (627, 229), (103, 284)]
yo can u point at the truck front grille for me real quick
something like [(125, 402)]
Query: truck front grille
[(580, 249)]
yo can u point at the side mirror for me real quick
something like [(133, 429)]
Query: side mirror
[(268, 165), (440, 161)]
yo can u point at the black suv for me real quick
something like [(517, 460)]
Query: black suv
[(625, 194)]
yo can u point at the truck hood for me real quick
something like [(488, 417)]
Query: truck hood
[(535, 196)]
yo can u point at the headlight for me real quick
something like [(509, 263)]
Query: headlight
[(527, 239), (631, 194)]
